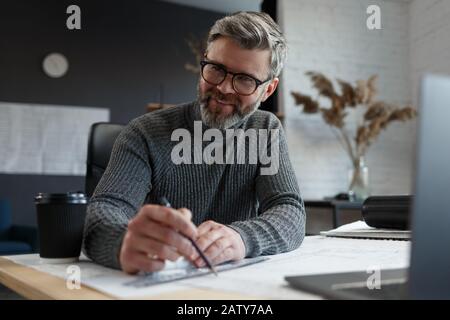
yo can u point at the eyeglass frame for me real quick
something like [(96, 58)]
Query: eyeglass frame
[(258, 82)]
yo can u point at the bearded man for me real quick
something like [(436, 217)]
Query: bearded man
[(231, 210)]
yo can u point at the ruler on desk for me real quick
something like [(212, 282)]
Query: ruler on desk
[(154, 278)]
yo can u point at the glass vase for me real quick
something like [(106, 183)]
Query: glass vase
[(359, 181)]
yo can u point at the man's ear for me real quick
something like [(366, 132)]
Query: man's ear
[(270, 88)]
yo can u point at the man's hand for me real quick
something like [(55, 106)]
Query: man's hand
[(219, 243), (156, 234)]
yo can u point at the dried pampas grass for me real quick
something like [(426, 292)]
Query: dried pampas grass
[(377, 116), (198, 48)]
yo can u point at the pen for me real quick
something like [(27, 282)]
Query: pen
[(164, 202)]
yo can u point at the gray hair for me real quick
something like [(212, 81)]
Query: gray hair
[(253, 30)]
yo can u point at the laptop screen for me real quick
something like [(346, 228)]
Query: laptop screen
[(430, 259)]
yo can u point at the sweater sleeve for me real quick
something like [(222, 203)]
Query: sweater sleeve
[(117, 197), (280, 226)]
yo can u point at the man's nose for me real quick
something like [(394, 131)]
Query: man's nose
[(227, 85)]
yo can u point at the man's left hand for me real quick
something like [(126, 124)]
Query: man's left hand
[(219, 243)]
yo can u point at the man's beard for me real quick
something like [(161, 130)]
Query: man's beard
[(216, 119)]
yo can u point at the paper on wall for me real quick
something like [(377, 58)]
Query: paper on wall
[(45, 139)]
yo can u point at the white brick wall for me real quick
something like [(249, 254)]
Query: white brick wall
[(330, 36), (429, 39)]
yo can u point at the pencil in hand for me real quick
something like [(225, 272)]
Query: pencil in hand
[(164, 202)]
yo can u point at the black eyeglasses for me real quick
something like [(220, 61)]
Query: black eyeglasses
[(243, 84)]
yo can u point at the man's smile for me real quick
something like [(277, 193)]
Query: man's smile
[(220, 106)]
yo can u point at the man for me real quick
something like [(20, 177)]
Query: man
[(236, 210)]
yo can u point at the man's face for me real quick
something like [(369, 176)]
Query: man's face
[(221, 105)]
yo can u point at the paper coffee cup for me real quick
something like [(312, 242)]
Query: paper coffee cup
[(60, 218)]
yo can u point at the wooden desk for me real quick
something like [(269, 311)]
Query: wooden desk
[(263, 280), (28, 283), (36, 285)]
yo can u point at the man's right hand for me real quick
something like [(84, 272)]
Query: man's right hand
[(156, 234)]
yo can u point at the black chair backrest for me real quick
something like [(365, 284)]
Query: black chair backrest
[(101, 141)]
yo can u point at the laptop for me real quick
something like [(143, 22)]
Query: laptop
[(428, 275)]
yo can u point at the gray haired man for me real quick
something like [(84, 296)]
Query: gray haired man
[(231, 210)]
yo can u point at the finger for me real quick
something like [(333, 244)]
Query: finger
[(186, 212), (164, 234), (137, 260), (205, 227), (218, 247), (170, 217), (214, 250), (207, 239), (224, 256), (153, 247), (172, 238)]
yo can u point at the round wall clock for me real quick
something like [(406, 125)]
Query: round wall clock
[(55, 65)]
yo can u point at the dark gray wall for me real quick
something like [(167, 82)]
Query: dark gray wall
[(119, 59)]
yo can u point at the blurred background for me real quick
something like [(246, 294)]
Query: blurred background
[(131, 56)]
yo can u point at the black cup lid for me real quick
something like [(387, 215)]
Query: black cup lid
[(69, 197)]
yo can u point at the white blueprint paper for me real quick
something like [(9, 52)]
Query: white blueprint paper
[(261, 280)]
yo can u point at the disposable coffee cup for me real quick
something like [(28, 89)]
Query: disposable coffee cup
[(60, 218)]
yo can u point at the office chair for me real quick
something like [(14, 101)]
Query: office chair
[(15, 239), (101, 141)]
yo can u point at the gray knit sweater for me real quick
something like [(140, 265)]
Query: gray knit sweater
[(266, 210)]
